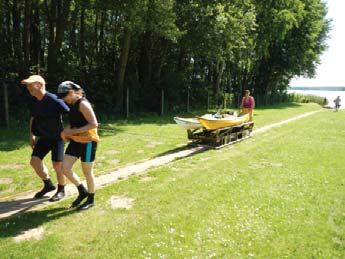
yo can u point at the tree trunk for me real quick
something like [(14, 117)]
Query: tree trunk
[(58, 14), (26, 35), (159, 72), (82, 40), (101, 34), (73, 28), (218, 79), (96, 49), (36, 36), (16, 11), (122, 68), (9, 41)]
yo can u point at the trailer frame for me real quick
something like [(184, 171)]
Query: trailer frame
[(221, 137)]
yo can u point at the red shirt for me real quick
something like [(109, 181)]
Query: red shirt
[(248, 102)]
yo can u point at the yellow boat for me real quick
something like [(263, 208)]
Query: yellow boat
[(212, 123)]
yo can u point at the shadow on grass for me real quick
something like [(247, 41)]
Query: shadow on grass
[(175, 150), (13, 138), (184, 148), (18, 206), (14, 226), (201, 150)]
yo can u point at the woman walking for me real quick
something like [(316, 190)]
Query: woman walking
[(83, 138), (248, 104)]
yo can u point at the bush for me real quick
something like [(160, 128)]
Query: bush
[(301, 98)]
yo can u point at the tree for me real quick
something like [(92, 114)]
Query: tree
[(57, 12), (147, 45)]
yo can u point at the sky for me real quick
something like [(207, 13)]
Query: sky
[(331, 71)]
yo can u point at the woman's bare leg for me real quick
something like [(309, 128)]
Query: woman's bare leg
[(67, 165), (90, 178)]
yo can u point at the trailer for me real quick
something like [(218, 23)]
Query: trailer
[(221, 137)]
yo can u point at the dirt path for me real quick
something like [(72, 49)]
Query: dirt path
[(274, 125), (24, 202)]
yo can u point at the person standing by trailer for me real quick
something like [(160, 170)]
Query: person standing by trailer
[(45, 128), (248, 104), (337, 103), (83, 138)]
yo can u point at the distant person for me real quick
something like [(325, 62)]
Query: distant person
[(45, 129), (325, 101), (83, 141), (337, 103), (248, 104)]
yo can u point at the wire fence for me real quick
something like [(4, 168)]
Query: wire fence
[(13, 99)]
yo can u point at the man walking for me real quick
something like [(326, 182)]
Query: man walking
[(45, 128)]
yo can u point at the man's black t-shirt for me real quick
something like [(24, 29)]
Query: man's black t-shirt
[(46, 113)]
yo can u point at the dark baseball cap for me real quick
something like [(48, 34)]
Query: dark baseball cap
[(65, 87)]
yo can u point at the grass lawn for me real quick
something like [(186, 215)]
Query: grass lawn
[(122, 142), (278, 194)]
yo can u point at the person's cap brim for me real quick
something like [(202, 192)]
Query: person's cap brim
[(27, 81)]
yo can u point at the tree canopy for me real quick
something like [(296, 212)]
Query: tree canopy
[(148, 46)]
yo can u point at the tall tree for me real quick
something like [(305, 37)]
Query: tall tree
[(57, 12)]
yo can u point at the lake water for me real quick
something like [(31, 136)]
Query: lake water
[(330, 95)]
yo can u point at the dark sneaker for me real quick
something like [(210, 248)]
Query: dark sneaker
[(60, 193), (87, 204), (83, 193), (79, 199), (57, 196), (46, 189)]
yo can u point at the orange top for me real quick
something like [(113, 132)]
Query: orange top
[(83, 137)]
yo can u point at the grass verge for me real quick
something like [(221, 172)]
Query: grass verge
[(278, 194), (122, 142)]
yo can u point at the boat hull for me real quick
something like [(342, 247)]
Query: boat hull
[(213, 123), (187, 123)]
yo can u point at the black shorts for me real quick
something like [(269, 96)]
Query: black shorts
[(43, 146), (85, 151)]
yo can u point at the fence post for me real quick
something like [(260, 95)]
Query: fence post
[(224, 100), (188, 99), (162, 103), (7, 112), (127, 103)]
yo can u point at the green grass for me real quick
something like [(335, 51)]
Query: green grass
[(278, 194), (122, 142)]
